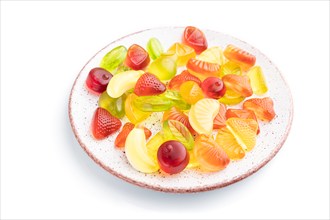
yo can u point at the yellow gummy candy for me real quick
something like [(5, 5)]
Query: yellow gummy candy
[(257, 81)]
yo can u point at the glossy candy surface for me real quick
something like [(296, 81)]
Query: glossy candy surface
[(137, 153), (257, 80), (194, 38), (213, 87), (122, 82), (231, 98), (238, 84), (203, 69), (242, 113), (262, 107), (220, 119), (175, 130), (244, 131), (173, 157), (103, 124), (133, 114), (183, 53), (137, 58), (154, 48), (163, 67), (112, 60), (97, 80), (213, 55), (230, 68), (152, 103), (209, 154), (191, 92), (228, 143), (177, 114), (202, 114), (243, 58), (116, 106), (184, 76), (127, 128), (149, 84)]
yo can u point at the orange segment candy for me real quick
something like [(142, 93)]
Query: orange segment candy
[(127, 128), (238, 84), (244, 59), (242, 113), (209, 154), (244, 131), (262, 107), (220, 119), (231, 97), (184, 76), (203, 69), (183, 52), (191, 92), (176, 114), (227, 141), (212, 55)]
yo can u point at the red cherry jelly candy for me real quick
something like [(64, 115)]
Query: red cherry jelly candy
[(137, 58), (173, 157), (97, 80), (213, 87)]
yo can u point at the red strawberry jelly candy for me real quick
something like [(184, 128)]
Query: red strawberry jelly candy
[(148, 84), (104, 124), (97, 80)]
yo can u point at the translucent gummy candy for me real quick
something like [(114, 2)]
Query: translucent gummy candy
[(114, 58)]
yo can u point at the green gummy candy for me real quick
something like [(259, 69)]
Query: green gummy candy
[(176, 99), (154, 48), (153, 103), (175, 130), (116, 106), (114, 58), (163, 67)]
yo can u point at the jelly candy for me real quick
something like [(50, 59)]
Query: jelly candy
[(244, 131), (133, 114), (213, 87), (152, 103), (263, 108), (116, 106), (172, 157), (127, 128), (191, 92), (209, 154), (137, 58), (176, 114), (193, 162), (137, 153), (183, 52), (202, 114), (177, 99), (122, 82), (112, 60), (103, 124), (149, 84), (163, 67), (242, 113), (203, 69), (212, 55), (220, 119), (230, 68), (154, 48), (257, 80), (238, 84), (175, 130), (194, 38), (231, 98), (97, 80), (154, 143), (244, 59), (184, 76), (227, 141)]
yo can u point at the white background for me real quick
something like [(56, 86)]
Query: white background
[(46, 174)]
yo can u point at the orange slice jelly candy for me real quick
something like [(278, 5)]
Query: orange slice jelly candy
[(209, 154), (183, 53), (220, 119), (262, 107), (238, 84), (244, 59), (228, 142), (242, 113), (203, 69)]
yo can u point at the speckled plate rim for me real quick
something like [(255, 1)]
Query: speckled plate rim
[(175, 190)]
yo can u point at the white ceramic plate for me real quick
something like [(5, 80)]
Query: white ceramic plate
[(271, 138)]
